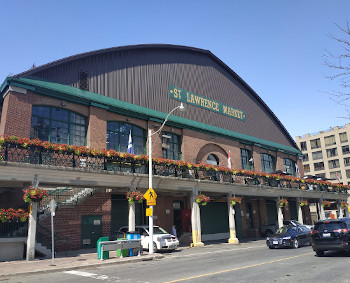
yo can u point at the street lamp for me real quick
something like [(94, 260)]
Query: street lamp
[(150, 219)]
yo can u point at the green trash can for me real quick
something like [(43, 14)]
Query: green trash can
[(124, 252), (105, 254)]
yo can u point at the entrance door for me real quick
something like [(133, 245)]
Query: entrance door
[(271, 210), (238, 222), (91, 230), (177, 208), (293, 210)]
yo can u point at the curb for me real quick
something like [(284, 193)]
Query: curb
[(59, 269)]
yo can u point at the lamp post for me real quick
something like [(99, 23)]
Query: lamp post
[(150, 134)]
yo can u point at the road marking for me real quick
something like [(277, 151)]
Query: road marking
[(238, 268), (213, 252), (87, 274)]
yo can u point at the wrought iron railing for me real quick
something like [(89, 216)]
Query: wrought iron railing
[(13, 229), (133, 164), (44, 236)]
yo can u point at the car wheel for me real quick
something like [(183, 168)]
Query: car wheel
[(155, 249), (320, 253), (295, 243)]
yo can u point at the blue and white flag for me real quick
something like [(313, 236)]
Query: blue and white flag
[(297, 170), (130, 147)]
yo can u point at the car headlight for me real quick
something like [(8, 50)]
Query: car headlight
[(267, 238), (287, 238)]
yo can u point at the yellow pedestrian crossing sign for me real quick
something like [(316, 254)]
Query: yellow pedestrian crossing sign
[(150, 194)]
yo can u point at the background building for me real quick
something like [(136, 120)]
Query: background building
[(326, 154)]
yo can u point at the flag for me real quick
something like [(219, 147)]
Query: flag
[(338, 178), (229, 160), (130, 147), (297, 170)]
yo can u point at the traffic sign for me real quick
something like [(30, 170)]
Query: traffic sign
[(149, 212), (150, 195), (151, 202)]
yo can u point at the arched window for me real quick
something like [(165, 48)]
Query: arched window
[(212, 159), (268, 163), (118, 137), (289, 166), (58, 125)]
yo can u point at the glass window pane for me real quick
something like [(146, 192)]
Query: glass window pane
[(59, 114)]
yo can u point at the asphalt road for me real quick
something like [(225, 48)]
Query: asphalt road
[(249, 262)]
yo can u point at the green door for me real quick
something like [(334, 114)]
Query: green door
[(293, 210), (214, 218), (271, 210), (91, 230), (238, 222)]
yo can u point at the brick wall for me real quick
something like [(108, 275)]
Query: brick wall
[(68, 219)]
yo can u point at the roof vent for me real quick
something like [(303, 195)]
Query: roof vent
[(83, 80)]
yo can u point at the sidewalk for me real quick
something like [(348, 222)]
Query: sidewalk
[(73, 260)]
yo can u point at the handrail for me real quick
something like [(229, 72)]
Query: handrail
[(102, 160), (44, 235)]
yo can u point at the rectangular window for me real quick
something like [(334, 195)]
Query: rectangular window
[(171, 146), (317, 155), (321, 175), (319, 166), (347, 174), (315, 143), (333, 164), (332, 152), (345, 149), (305, 157), (330, 140), (347, 161), (343, 137), (303, 145), (289, 166), (268, 163), (333, 175), (246, 159), (306, 168)]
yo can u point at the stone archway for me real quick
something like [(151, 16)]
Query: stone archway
[(214, 149)]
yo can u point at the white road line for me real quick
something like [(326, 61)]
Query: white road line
[(87, 274), (212, 252)]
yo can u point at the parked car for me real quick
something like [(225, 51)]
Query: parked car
[(296, 223), (162, 240), (290, 236), (331, 235)]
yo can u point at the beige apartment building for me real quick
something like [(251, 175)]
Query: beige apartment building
[(326, 153)]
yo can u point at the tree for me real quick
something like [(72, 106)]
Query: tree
[(340, 66)]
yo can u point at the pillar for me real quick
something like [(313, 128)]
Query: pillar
[(279, 213), (32, 231), (196, 221), (340, 210), (231, 219), (321, 209), (131, 213), (300, 212)]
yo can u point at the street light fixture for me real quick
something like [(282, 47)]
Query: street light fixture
[(150, 134)]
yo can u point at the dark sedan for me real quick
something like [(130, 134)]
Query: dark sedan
[(290, 236)]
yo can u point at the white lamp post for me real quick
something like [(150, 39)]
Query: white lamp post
[(150, 219)]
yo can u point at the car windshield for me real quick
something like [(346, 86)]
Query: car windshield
[(157, 230), (285, 229), (331, 226)]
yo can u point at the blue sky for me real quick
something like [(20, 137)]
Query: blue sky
[(276, 46)]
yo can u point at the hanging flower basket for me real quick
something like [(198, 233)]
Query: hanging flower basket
[(303, 203), (135, 196), (202, 199), (326, 203), (8, 215), (34, 195), (283, 202), (343, 204), (235, 200)]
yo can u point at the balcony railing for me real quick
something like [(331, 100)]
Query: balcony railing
[(20, 150)]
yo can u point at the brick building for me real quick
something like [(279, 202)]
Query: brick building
[(98, 99)]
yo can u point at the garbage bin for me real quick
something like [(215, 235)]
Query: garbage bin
[(124, 252), (132, 235), (105, 254)]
